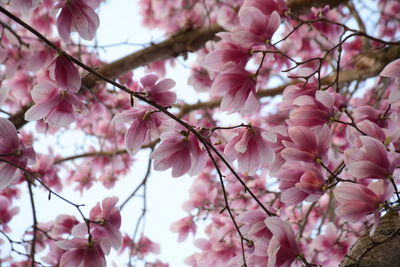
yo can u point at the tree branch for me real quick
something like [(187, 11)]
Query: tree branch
[(380, 249), (301, 7)]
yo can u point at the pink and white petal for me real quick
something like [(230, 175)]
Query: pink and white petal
[(282, 231), (9, 133), (167, 148), (59, 118), (303, 137), (94, 256), (72, 258), (108, 205), (164, 85), (72, 243), (354, 211), (181, 166), (114, 235), (366, 169), (135, 137), (66, 74), (392, 69), (273, 24), (64, 24), (126, 116), (43, 91), (325, 98), (39, 111), (6, 174), (293, 196), (80, 230), (148, 81), (252, 18)]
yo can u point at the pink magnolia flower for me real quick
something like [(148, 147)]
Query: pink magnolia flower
[(356, 201), (371, 160), (180, 151), (64, 224), (78, 16), (66, 75), (237, 89), (332, 246), (251, 147), (310, 111), (147, 125), (13, 151), (282, 249), (294, 91), (307, 145), (202, 193), (299, 183), (105, 229), (225, 52), (81, 252), (47, 171), (255, 27), (158, 92), (6, 213), (183, 227), (145, 246), (57, 107)]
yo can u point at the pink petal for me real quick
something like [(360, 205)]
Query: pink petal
[(64, 24), (72, 258), (149, 80), (392, 69)]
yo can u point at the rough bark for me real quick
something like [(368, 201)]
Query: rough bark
[(382, 249)]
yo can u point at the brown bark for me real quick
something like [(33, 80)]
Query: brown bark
[(300, 7), (382, 249), (181, 43)]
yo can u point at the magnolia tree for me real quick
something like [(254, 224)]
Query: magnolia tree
[(304, 173)]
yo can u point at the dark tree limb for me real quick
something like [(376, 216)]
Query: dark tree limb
[(382, 249)]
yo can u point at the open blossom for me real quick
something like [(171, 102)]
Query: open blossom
[(158, 92), (237, 88), (307, 145), (78, 16), (282, 249), (106, 227), (81, 252), (57, 107), (255, 27), (371, 160), (180, 151), (251, 147), (12, 150), (226, 51), (183, 227), (357, 201), (146, 126), (312, 111), (299, 183), (6, 213), (332, 245)]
